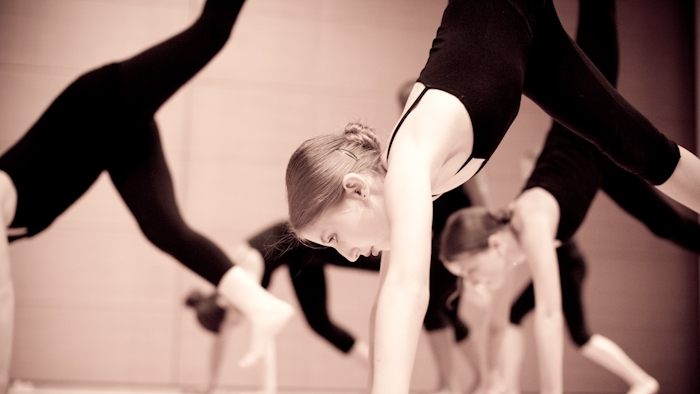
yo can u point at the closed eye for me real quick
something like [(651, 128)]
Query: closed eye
[(329, 239)]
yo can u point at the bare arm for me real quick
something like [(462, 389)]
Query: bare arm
[(437, 130), (217, 351), (403, 295), (535, 219)]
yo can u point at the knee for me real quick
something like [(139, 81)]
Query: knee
[(320, 324), (8, 199), (580, 336)]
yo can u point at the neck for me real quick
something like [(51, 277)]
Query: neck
[(515, 254)]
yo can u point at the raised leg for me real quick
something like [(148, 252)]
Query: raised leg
[(152, 76)]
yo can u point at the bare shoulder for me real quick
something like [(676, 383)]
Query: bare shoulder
[(437, 132), (535, 204)]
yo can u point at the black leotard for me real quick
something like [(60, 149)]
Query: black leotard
[(104, 121), (570, 169), (488, 52)]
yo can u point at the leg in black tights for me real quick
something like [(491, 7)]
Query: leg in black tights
[(310, 286), (564, 82), (140, 172), (646, 204)]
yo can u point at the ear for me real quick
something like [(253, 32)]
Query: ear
[(454, 268), (496, 240), (356, 185)]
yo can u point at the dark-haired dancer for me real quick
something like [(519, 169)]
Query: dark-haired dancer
[(104, 121)]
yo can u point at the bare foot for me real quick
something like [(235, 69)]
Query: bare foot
[(651, 386)]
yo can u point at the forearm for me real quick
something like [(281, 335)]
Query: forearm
[(217, 350), (441, 342), (400, 313), (7, 308), (536, 219), (549, 336)]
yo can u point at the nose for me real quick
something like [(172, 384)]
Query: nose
[(350, 254)]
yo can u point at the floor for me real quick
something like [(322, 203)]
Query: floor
[(25, 387)]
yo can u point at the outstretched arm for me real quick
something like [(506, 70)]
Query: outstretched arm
[(404, 292), (535, 220)]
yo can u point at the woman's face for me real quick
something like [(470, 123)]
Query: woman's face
[(487, 267), (353, 227)]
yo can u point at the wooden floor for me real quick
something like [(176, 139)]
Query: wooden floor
[(24, 387)]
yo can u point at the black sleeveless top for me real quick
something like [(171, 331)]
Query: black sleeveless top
[(571, 169)]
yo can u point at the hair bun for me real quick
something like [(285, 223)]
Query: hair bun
[(362, 135)]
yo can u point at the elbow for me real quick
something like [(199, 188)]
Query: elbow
[(550, 312), (416, 294), (419, 294)]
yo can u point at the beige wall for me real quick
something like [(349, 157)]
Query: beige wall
[(97, 303)]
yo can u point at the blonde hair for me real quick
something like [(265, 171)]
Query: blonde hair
[(469, 229), (316, 169)]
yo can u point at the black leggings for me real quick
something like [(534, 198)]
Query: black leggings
[(565, 83), (643, 202), (309, 281), (104, 121)]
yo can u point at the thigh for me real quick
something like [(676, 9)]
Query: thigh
[(564, 82), (142, 177), (63, 153)]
